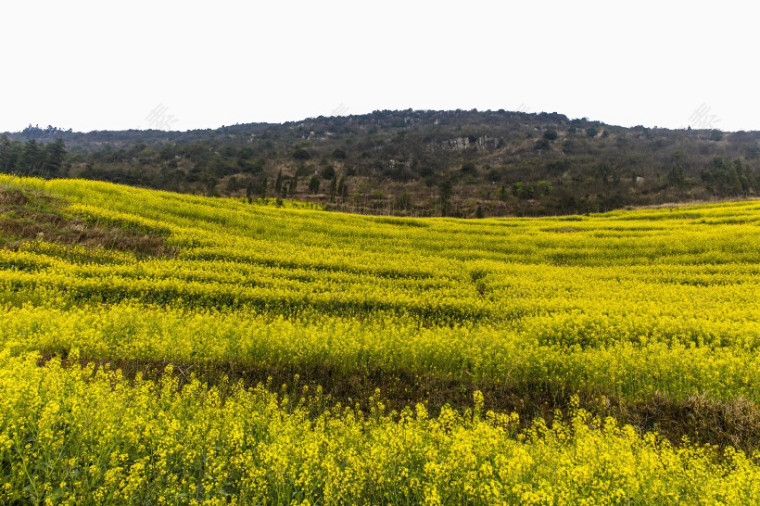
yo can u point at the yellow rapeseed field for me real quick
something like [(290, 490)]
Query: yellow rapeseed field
[(629, 307)]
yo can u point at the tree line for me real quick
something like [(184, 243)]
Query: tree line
[(32, 158)]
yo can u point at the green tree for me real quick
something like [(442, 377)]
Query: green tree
[(314, 184), (284, 189), (468, 169), (445, 190), (301, 154), (328, 172), (54, 155), (524, 191), (7, 155), (31, 158), (543, 188), (734, 181), (676, 175), (210, 182), (342, 189), (249, 192), (278, 183)]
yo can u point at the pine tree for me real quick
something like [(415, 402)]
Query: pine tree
[(249, 192), (445, 190), (278, 183), (54, 155), (342, 189), (7, 155), (31, 159), (314, 184)]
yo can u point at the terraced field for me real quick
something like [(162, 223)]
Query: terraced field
[(167, 348)]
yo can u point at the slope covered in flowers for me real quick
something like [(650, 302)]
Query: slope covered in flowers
[(650, 315)]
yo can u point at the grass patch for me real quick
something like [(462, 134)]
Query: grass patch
[(31, 215)]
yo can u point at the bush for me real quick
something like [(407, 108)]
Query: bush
[(328, 172), (301, 154), (468, 168)]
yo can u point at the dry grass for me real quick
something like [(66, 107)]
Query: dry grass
[(32, 215)]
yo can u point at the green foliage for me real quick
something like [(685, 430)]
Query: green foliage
[(550, 135), (342, 189), (333, 189), (278, 183), (676, 175), (301, 154), (445, 190), (328, 172), (468, 169), (314, 183), (32, 158)]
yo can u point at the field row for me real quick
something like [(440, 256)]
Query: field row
[(536, 356), (153, 443)]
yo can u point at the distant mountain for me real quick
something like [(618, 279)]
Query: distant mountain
[(426, 163)]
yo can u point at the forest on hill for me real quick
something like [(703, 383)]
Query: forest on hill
[(411, 163)]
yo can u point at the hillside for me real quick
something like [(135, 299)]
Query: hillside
[(277, 353), (414, 163)]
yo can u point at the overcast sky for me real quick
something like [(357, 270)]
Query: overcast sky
[(184, 65)]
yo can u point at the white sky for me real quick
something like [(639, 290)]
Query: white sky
[(108, 65)]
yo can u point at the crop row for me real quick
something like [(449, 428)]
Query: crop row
[(154, 443)]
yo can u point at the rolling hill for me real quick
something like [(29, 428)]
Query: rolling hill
[(414, 163), (164, 347)]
